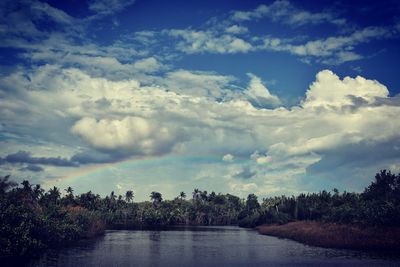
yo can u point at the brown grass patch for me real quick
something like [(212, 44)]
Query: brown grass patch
[(336, 235)]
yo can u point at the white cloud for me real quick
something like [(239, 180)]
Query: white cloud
[(284, 12), (332, 50), (260, 159), (259, 95), (135, 134), (228, 157), (147, 65), (197, 83), (100, 65), (236, 29), (106, 7), (107, 101), (330, 91), (124, 118), (257, 13), (208, 41)]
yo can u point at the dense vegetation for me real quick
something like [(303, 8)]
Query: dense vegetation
[(378, 205), (32, 219)]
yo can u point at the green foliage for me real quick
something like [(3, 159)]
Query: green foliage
[(378, 205), (32, 219)]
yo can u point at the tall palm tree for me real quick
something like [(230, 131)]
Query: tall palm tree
[(38, 191), (54, 194), (129, 196), (182, 195), (196, 194), (27, 192), (156, 197), (69, 198), (5, 184), (203, 195), (27, 187), (69, 190)]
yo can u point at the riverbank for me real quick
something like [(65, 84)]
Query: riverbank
[(331, 235)]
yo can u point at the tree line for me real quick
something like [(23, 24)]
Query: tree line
[(32, 219)]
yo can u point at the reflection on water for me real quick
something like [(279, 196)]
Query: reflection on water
[(204, 246)]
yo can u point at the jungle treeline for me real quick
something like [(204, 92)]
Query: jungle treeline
[(32, 219)]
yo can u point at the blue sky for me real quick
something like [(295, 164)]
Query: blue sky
[(265, 97)]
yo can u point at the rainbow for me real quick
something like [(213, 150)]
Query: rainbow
[(138, 161)]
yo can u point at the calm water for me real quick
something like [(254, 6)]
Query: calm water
[(204, 246)]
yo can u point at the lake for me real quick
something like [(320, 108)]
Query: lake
[(204, 246)]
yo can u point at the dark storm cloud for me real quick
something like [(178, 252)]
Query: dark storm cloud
[(32, 168), (88, 157), (25, 157)]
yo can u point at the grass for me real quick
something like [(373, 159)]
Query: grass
[(336, 235)]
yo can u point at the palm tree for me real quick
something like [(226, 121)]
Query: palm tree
[(27, 192), (182, 195), (156, 197), (69, 198), (54, 194), (89, 200), (27, 187), (129, 196), (203, 195), (69, 190), (5, 184), (252, 202), (196, 194), (37, 191)]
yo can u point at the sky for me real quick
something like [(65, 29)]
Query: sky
[(232, 96)]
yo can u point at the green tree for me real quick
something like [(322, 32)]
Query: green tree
[(252, 202), (5, 184), (129, 196), (53, 195), (156, 197)]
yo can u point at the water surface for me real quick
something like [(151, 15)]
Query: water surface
[(204, 246)]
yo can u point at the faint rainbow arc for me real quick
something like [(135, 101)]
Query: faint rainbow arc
[(88, 170)]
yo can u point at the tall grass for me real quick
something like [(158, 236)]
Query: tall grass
[(336, 235)]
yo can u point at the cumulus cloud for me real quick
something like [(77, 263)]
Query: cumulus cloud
[(104, 103), (259, 158), (111, 120), (135, 134), (236, 29), (330, 91), (148, 65), (197, 83), (259, 95)]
